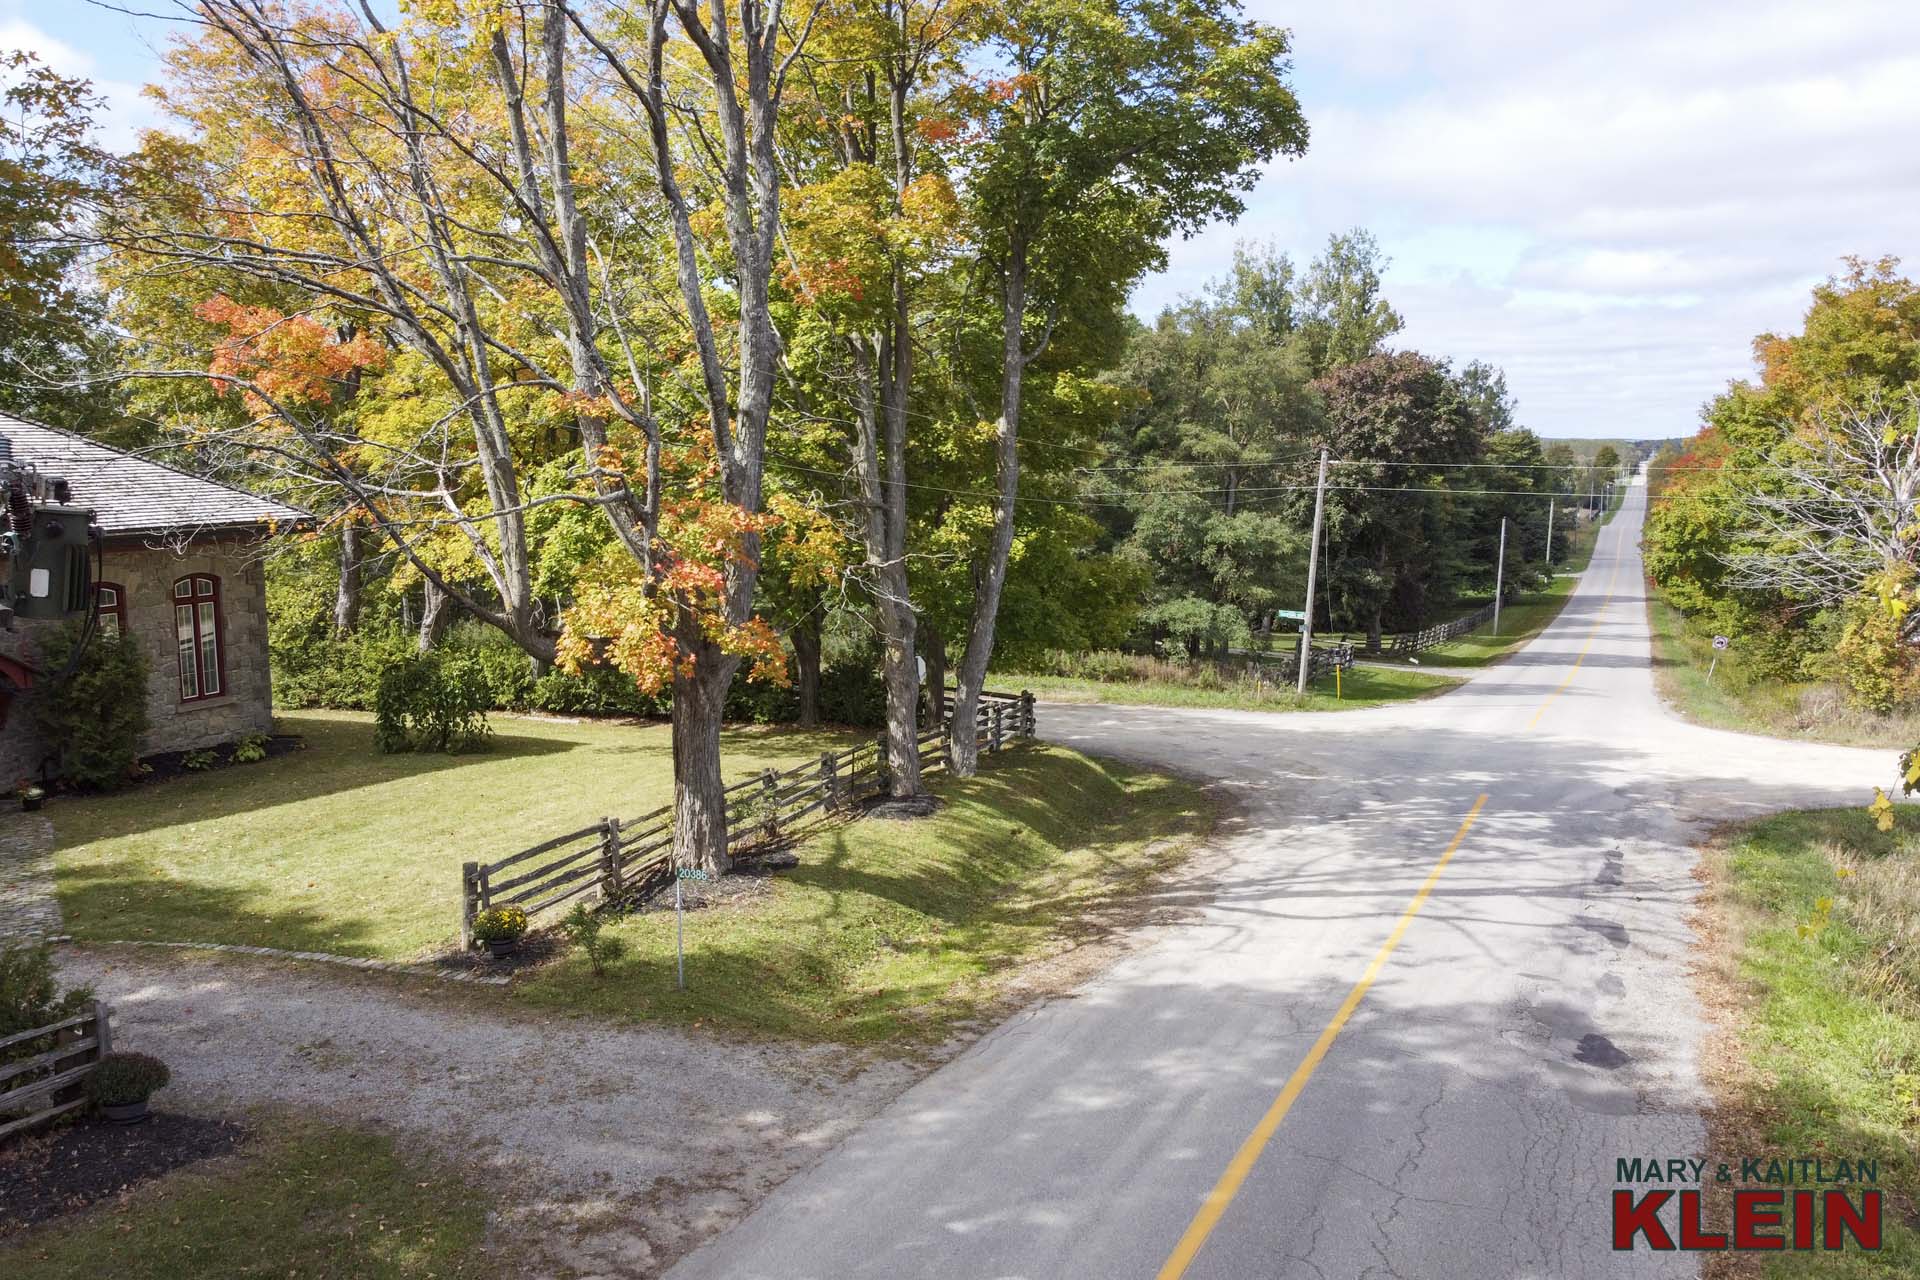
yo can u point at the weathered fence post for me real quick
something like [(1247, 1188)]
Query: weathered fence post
[(611, 886), (469, 890), (769, 788), (830, 781), (1026, 713), (993, 731)]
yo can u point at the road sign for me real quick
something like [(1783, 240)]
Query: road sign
[(1719, 642), (681, 875), (1291, 615)]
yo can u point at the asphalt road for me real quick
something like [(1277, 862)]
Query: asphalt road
[(1365, 1056)]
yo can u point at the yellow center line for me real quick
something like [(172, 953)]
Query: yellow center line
[(1249, 1153), (1243, 1160)]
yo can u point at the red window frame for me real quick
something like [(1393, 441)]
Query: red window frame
[(110, 604), (200, 635)]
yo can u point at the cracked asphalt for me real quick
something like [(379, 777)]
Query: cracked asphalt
[(1535, 1021)]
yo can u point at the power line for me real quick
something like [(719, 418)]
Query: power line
[(1122, 497)]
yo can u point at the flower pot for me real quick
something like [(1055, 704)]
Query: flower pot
[(124, 1112), (32, 803), (501, 948)]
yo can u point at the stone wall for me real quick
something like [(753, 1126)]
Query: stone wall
[(146, 576)]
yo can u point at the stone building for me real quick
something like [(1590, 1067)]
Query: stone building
[(179, 575)]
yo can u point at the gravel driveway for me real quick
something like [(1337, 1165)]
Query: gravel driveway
[(616, 1148)]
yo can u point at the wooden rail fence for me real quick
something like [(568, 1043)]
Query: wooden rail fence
[(617, 858), (1411, 642), (60, 1056)]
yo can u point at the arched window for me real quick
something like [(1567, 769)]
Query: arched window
[(110, 603), (196, 626)]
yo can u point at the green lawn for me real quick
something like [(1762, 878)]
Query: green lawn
[(1822, 1035), (339, 848), (1360, 687), (887, 931), (892, 932), (310, 1203)]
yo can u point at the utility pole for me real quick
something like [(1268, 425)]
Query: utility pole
[(1313, 573), (1499, 575), (1550, 502)]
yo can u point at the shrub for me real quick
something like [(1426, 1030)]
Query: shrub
[(1879, 667), (122, 1079), (30, 994), (198, 761), (324, 670), (431, 702), (96, 716), (500, 924), (251, 749), (597, 691), (761, 701), (503, 665), (585, 929), (852, 693)]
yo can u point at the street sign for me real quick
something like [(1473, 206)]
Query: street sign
[(680, 875), (1719, 642), (1291, 615)]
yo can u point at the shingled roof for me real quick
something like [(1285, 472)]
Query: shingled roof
[(131, 495)]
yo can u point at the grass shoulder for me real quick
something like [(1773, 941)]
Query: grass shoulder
[(1811, 919), (305, 1200), (1520, 622), (895, 933), (1363, 686), (1585, 534), (1813, 711)]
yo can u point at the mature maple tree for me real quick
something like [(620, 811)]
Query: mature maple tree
[(562, 220), (1104, 128)]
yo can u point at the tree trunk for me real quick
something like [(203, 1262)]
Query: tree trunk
[(699, 802), (436, 609), (934, 649), (883, 534), (806, 661), (346, 596), (1373, 630), (990, 576)]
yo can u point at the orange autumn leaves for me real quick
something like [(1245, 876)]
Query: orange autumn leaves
[(270, 356), (621, 616)]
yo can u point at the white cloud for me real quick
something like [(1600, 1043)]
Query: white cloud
[(125, 111), (1608, 200)]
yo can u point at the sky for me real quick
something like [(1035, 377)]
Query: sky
[(1607, 200)]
